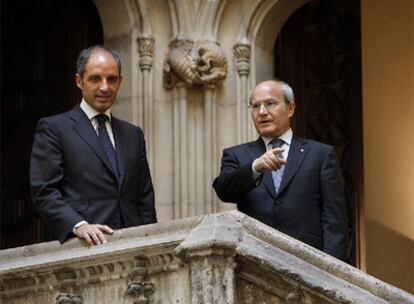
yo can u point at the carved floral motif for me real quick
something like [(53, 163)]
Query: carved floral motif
[(146, 46), (200, 63), (146, 50)]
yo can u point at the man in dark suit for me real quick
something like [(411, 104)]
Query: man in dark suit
[(289, 183), (89, 172)]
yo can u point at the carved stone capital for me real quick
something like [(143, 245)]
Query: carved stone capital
[(146, 50), (196, 64), (65, 298), (242, 53)]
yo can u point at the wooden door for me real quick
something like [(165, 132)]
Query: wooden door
[(318, 52)]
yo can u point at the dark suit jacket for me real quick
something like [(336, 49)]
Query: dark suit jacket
[(309, 206), (72, 178)]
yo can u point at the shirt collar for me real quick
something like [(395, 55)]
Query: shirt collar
[(287, 137), (91, 112)]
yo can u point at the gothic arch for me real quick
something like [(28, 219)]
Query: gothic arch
[(264, 25)]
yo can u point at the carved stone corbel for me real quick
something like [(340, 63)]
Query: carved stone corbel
[(195, 64)]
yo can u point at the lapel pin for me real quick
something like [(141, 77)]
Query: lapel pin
[(301, 150)]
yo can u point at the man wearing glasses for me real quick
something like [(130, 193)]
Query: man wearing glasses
[(289, 183)]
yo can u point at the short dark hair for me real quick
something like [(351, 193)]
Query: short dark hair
[(85, 55)]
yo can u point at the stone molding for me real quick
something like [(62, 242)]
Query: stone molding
[(218, 258)]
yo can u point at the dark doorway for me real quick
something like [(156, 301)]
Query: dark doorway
[(318, 52), (40, 41)]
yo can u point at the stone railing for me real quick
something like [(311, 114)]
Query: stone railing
[(217, 258)]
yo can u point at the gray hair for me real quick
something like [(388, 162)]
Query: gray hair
[(85, 55), (286, 89)]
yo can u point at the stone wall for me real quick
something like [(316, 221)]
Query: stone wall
[(188, 66), (213, 259)]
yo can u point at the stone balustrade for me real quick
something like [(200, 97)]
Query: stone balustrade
[(212, 259)]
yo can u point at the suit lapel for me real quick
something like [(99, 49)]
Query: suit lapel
[(85, 130), (257, 148), (297, 153), (121, 145)]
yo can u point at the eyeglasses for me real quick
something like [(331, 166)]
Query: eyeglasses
[(268, 104)]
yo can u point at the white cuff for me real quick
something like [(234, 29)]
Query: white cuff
[(78, 225)]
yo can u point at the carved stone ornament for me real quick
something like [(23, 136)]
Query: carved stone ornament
[(142, 291), (201, 63), (146, 46), (242, 53), (69, 299), (146, 50)]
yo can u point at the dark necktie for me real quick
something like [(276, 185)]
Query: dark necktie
[(106, 142), (278, 174)]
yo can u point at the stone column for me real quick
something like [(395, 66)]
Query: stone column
[(241, 52), (146, 50), (180, 151), (209, 136)]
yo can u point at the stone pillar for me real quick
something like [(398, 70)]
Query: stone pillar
[(209, 147), (212, 277), (212, 267), (245, 130), (146, 50), (180, 151)]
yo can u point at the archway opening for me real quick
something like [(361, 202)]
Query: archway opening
[(318, 52)]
